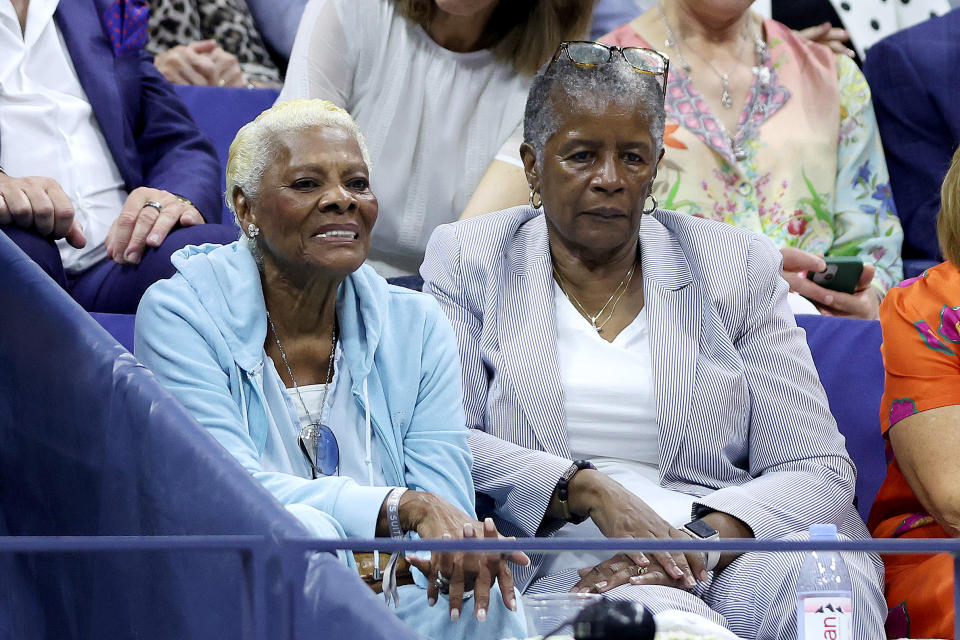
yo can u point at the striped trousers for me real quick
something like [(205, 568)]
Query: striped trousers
[(754, 596)]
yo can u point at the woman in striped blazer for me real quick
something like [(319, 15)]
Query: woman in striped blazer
[(627, 373)]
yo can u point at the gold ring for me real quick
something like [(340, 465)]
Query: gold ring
[(642, 570)]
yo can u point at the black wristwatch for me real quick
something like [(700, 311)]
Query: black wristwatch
[(563, 490), (700, 530)]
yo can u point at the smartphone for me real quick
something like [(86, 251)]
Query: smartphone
[(842, 274)]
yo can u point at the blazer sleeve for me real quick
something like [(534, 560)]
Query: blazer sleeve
[(520, 481), (917, 137), (176, 156), (801, 471)]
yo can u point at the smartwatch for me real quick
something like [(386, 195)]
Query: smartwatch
[(563, 490), (700, 530)]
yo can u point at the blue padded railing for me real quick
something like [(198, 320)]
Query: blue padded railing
[(289, 554), (93, 445)]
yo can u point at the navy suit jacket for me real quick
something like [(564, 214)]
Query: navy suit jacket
[(917, 100), (151, 136)]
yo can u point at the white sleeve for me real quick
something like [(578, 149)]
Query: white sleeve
[(510, 151), (321, 63)]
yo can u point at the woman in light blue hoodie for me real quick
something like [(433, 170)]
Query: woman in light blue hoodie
[(338, 392)]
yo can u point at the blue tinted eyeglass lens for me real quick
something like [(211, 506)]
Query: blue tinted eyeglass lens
[(319, 444), (328, 452), (644, 59), (588, 53)]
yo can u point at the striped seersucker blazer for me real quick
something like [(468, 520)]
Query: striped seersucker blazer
[(743, 420)]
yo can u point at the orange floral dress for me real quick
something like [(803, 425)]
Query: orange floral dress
[(921, 356)]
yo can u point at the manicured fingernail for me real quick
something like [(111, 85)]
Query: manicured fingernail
[(690, 582), (636, 580), (481, 614), (132, 256), (468, 530), (431, 601), (513, 604), (601, 584), (454, 614), (446, 536), (153, 240)]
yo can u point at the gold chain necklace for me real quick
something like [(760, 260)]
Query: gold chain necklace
[(615, 297)]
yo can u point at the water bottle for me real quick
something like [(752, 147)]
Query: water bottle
[(824, 595)]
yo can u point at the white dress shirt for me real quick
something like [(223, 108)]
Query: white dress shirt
[(47, 127)]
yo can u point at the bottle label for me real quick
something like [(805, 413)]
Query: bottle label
[(827, 618)]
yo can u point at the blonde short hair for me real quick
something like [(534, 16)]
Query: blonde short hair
[(256, 143), (948, 220)]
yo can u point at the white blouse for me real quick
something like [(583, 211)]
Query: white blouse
[(611, 419), (433, 119)]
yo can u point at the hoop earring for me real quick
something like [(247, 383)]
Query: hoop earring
[(253, 230), (654, 207), (536, 204)]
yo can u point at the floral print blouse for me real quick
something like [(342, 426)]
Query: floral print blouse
[(808, 170), (921, 359)]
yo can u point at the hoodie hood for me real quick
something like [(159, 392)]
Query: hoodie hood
[(227, 282)]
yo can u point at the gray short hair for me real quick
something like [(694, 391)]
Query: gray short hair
[(612, 82), (255, 146)]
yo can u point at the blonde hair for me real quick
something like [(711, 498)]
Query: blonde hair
[(948, 220), (523, 32), (256, 143)]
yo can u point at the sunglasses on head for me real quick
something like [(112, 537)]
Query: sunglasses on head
[(592, 54)]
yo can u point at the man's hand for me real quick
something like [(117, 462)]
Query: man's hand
[(863, 303), (39, 203), (140, 225)]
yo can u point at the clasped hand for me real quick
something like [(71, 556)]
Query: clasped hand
[(618, 513), (434, 518)]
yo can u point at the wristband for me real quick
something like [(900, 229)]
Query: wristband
[(393, 512), (563, 490)]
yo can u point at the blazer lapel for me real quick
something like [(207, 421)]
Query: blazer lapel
[(92, 57), (674, 310), (527, 331)]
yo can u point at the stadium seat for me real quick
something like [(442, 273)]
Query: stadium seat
[(847, 355), (220, 112)]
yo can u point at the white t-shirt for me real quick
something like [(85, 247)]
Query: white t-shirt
[(433, 119), (611, 419), (48, 127)]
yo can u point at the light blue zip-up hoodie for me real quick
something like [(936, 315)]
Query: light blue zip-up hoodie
[(202, 333)]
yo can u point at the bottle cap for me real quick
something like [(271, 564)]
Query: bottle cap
[(823, 532)]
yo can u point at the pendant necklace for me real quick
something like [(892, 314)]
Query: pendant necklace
[(614, 298), (758, 98), (316, 430)]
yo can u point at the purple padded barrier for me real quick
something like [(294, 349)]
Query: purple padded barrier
[(118, 325), (220, 112), (94, 446), (847, 355)]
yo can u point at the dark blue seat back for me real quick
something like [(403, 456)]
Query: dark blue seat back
[(92, 445), (847, 355), (220, 112)]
